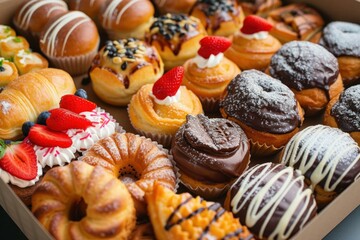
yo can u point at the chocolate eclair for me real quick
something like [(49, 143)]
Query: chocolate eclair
[(265, 109), (210, 154), (310, 71), (176, 37)]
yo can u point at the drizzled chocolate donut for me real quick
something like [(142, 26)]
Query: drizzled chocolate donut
[(272, 200), (310, 71), (210, 152), (265, 108)]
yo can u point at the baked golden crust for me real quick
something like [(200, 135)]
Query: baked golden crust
[(11, 45), (262, 7), (171, 6), (27, 61), (6, 31), (8, 72), (27, 96), (90, 7), (349, 69), (80, 201)]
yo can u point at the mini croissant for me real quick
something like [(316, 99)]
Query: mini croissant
[(26, 97)]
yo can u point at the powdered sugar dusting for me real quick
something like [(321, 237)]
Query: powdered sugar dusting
[(5, 107)]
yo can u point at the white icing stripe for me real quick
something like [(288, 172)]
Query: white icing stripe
[(111, 9), (257, 209), (333, 150)]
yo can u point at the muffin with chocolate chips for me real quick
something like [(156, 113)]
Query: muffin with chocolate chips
[(210, 154), (176, 37), (122, 67)]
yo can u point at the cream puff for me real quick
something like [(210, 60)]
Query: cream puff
[(8, 72)]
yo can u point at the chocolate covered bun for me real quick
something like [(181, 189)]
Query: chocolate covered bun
[(272, 200), (303, 66), (210, 153)]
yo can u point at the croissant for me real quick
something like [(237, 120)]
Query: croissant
[(24, 98)]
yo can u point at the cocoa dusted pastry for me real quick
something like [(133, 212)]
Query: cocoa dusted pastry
[(221, 18), (210, 153), (310, 71), (327, 157), (296, 22), (265, 109), (176, 37), (272, 200), (343, 112), (343, 40)]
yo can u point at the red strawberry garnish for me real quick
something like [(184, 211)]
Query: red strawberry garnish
[(45, 137), (213, 45), (253, 24), (76, 104), (169, 83), (18, 159), (62, 119)]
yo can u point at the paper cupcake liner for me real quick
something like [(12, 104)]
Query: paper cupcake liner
[(163, 139), (210, 104), (210, 192), (263, 150)]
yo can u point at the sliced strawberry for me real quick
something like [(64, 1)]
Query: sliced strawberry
[(43, 136), (76, 104), (62, 119), (213, 45), (253, 24), (169, 83), (18, 159)]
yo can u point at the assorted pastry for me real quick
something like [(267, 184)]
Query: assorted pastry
[(259, 7)]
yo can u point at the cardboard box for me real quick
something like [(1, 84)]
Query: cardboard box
[(322, 224)]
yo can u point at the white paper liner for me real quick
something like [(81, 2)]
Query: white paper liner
[(262, 150), (210, 104)]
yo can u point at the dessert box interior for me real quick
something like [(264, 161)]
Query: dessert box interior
[(322, 224)]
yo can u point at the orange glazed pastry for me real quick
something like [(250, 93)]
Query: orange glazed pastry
[(136, 161), (208, 74), (11, 45), (181, 216), (6, 31), (80, 201), (158, 110), (27, 61), (259, 7), (221, 18), (252, 47)]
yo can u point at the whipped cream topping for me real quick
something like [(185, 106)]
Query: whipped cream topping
[(210, 62), (8, 178), (258, 35), (27, 57), (52, 156), (168, 100)]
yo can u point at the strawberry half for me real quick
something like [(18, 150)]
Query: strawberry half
[(254, 24), (62, 119), (18, 159), (76, 104), (213, 45), (45, 137), (169, 83)]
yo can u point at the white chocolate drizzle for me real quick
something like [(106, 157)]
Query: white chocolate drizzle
[(253, 191), (111, 9), (305, 148)]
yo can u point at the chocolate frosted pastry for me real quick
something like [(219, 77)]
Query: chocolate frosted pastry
[(344, 112), (176, 37), (221, 18), (265, 108), (210, 154), (327, 157), (296, 22), (121, 67), (343, 40), (272, 200), (310, 71), (259, 7)]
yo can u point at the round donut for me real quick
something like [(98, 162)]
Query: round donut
[(137, 161), (80, 201)]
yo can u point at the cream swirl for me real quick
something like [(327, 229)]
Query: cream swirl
[(257, 36), (8, 178), (210, 62), (52, 156), (169, 100)]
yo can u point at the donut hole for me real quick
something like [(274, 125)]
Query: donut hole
[(128, 174), (77, 210)]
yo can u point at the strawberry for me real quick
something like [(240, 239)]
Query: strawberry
[(62, 119), (76, 104), (213, 45), (169, 83), (45, 137), (253, 24), (18, 159)]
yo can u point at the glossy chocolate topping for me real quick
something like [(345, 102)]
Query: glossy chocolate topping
[(326, 156), (272, 200), (346, 110), (261, 102), (211, 150), (342, 39), (303, 65)]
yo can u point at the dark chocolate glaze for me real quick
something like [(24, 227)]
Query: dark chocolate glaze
[(303, 65), (346, 110), (342, 39), (261, 102), (211, 150)]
